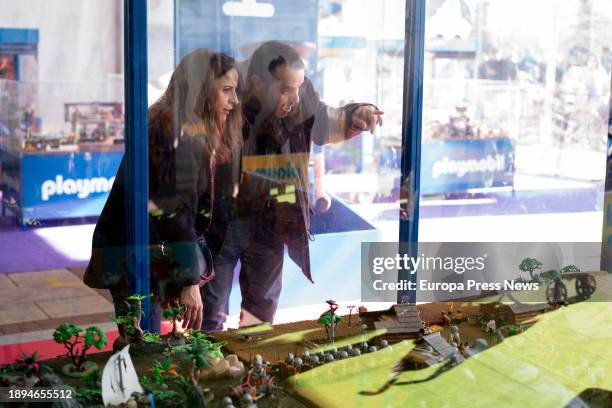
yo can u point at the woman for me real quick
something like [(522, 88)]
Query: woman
[(194, 149)]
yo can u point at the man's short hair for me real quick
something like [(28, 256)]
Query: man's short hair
[(271, 55)]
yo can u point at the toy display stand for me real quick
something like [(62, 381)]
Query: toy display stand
[(47, 176)]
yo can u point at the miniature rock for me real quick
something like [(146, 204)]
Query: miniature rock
[(384, 343), (372, 349), (235, 372), (329, 358), (233, 361), (221, 368), (314, 360), (356, 352)]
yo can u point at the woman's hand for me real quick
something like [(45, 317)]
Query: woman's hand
[(190, 296)]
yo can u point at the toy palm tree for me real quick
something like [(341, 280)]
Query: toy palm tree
[(135, 312)]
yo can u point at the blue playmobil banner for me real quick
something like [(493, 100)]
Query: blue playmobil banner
[(458, 165), (70, 185)]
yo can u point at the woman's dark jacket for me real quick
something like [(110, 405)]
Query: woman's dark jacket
[(179, 189)]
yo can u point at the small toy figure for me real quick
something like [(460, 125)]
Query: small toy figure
[(258, 368), (446, 320), (227, 403), (298, 364), (490, 326), (454, 338)]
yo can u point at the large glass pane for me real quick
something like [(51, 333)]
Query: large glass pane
[(515, 112), (61, 142), (301, 207)]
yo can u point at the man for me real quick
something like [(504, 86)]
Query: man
[(283, 117)]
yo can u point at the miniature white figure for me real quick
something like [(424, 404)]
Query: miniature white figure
[(490, 326)]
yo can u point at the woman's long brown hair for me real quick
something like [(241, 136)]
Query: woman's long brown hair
[(188, 105)]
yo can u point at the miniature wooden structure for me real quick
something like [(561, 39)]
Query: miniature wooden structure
[(514, 313), (440, 345), (420, 357), (401, 322)]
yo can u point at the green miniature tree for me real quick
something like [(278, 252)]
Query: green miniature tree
[(569, 269), (330, 320), (135, 313), (197, 354), (550, 275), (76, 346), (212, 349), (174, 314), (530, 265)]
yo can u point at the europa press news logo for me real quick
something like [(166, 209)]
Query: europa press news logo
[(81, 187)]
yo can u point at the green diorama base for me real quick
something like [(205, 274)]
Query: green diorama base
[(143, 363), (563, 355)]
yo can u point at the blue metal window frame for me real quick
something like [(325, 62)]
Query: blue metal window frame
[(136, 149), (414, 56)]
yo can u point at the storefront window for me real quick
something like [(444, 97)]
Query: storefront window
[(346, 191), (61, 142), (515, 116)]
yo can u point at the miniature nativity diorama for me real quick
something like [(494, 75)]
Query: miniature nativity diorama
[(547, 348)]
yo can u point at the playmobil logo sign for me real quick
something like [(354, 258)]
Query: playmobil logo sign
[(280, 173), (82, 188), (460, 168), (289, 168)]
